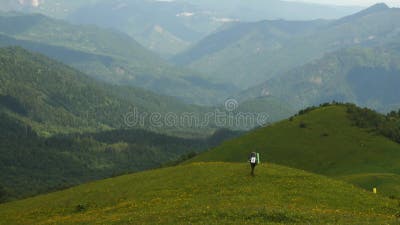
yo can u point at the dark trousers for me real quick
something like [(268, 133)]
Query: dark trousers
[(253, 165)]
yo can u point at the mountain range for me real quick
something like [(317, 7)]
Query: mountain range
[(366, 76), (107, 55), (304, 63), (97, 89), (220, 65), (275, 9), (168, 27), (246, 54), (59, 127)]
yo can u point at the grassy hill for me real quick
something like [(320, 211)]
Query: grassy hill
[(387, 183), (273, 108), (265, 49), (324, 141), (207, 193)]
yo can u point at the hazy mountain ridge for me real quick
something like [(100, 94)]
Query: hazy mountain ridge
[(366, 76), (163, 27), (107, 55), (274, 9), (167, 27), (270, 49)]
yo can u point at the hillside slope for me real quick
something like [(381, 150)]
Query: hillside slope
[(53, 95), (59, 127), (323, 141), (31, 164), (206, 193)]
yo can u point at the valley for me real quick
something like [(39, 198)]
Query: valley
[(146, 111)]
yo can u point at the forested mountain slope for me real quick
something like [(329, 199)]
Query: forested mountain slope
[(107, 55)]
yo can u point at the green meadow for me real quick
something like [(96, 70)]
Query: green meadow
[(337, 165), (324, 141), (207, 193)]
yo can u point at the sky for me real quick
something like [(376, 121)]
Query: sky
[(392, 3)]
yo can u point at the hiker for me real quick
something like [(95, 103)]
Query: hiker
[(254, 159)]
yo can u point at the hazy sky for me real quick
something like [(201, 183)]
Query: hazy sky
[(392, 3)]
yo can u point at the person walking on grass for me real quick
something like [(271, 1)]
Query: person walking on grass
[(254, 160)]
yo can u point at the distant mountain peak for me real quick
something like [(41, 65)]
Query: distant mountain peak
[(379, 7), (376, 8)]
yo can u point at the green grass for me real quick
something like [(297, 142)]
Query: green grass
[(386, 183), (328, 144), (207, 193)]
